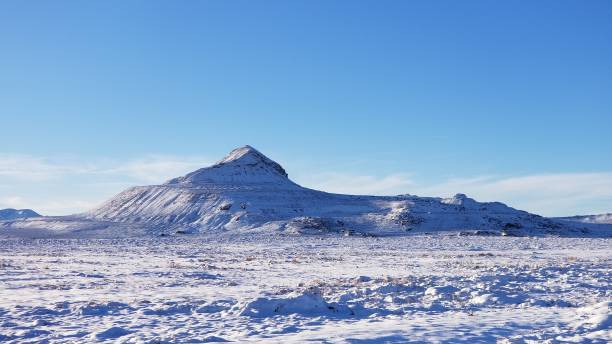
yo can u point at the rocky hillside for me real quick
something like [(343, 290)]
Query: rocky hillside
[(247, 190)]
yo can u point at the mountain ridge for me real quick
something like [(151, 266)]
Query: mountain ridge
[(247, 191)]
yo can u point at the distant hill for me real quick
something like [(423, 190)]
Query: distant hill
[(12, 214), (594, 219)]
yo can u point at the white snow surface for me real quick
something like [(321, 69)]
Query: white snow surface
[(248, 191), (275, 288)]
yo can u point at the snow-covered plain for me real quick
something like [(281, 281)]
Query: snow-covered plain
[(271, 287)]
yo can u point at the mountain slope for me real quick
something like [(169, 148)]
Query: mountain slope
[(247, 190)]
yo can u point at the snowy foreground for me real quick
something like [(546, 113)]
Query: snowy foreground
[(270, 288)]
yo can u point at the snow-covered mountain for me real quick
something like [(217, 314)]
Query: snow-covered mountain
[(248, 190), (11, 214)]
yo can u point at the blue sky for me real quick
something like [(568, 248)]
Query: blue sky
[(508, 101)]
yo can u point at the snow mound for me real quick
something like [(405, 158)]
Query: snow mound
[(595, 317), (100, 309), (440, 291), (484, 299), (307, 303), (110, 333)]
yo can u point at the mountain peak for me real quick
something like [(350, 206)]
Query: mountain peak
[(244, 164), (248, 155), (239, 152)]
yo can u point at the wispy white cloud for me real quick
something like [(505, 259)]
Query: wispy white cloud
[(152, 168), (358, 184), (560, 184), (58, 206), (66, 185), (157, 168), (554, 194), (12, 202), (548, 194), (31, 168)]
